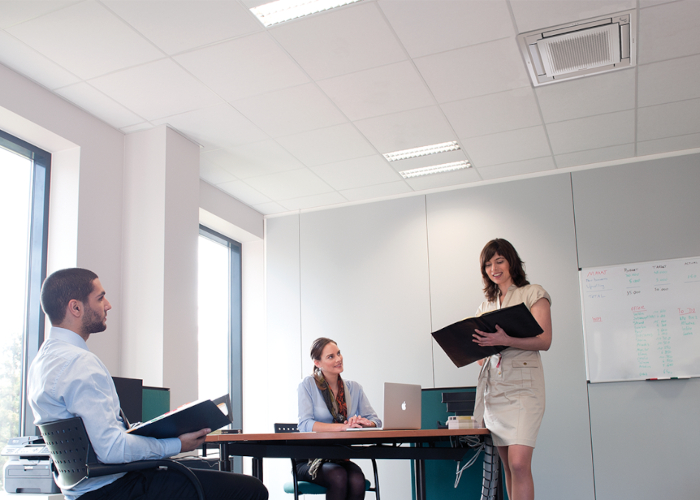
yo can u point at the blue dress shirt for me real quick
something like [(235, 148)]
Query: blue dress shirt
[(312, 407), (66, 380)]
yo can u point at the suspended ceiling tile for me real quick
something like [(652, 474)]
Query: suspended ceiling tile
[(587, 96), (270, 208), (218, 126), (315, 201), (378, 91), (186, 24), (668, 144), (290, 111), (288, 185), (668, 120), (214, 174), (669, 81), (358, 172), (156, 89), (251, 160), (244, 67), (407, 129), (86, 39), (95, 102), (428, 27), (508, 147), (473, 71), (340, 41), (244, 193), (30, 63), (595, 156), (668, 31), (517, 168), (493, 113), (531, 15), (377, 191), (592, 132), (16, 12), (454, 178), (327, 145)]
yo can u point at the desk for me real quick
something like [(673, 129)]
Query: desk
[(351, 444)]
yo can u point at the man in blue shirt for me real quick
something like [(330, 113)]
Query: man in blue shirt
[(67, 380)]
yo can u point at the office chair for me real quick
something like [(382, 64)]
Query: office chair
[(306, 488), (74, 459)]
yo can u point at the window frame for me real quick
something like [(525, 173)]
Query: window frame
[(34, 321)]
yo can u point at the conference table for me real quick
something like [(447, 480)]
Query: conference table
[(379, 444)]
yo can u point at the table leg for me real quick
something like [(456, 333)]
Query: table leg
[(224, 461), (258, 468), (420, 479)]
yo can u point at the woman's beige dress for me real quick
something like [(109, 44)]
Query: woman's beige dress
[(510, 391)]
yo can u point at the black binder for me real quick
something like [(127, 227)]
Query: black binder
[(458, 342), (189, 418)]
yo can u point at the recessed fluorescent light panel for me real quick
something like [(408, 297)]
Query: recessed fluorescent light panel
[(435, 169), (422, 151), (286, 10)]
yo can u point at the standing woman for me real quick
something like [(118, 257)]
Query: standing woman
[(328, 403), (510, 390)]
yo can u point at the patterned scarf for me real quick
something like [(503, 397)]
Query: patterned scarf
[(339, 411)]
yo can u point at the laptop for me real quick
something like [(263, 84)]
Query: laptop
[(402, 408)]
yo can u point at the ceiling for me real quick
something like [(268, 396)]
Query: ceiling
[(297, 116)]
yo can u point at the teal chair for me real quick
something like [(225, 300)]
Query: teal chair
[(306, 488)]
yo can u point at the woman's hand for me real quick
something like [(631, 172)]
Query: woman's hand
[(357, 421), (499, 337)]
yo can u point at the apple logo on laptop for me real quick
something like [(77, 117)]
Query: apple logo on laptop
[(403, 406)]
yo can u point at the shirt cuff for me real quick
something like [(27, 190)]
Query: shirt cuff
[(172, 446)]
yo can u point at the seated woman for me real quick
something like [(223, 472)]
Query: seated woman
[(328, 403)]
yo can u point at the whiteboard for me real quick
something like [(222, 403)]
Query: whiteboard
[(640, 321)]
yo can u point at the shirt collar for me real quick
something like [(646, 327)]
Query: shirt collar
[(58, 333)]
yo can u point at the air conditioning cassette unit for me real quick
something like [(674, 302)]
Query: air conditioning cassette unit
[(580, 49)]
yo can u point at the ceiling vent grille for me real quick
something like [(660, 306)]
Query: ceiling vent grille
[(579, 49)]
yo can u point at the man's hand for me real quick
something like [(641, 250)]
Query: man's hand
[(192, 440)]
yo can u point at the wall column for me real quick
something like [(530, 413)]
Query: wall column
[(159, 280)]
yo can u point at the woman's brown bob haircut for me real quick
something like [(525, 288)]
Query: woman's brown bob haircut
[(506, 250)]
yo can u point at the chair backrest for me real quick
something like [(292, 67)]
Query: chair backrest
[(70, 450), (286, 428)]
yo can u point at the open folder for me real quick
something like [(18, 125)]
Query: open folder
[(207, 413), (458, 342)]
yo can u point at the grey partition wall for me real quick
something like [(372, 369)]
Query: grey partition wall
[(535, 215), (645, 435)]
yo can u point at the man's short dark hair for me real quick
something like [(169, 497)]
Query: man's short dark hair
[(62, 287)]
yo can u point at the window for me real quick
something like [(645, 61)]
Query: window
[(24, 189), (219, 313)]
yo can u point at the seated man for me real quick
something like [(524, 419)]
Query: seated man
[(66, 380)]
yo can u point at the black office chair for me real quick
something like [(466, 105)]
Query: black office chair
[(306, 488), (74, 459)]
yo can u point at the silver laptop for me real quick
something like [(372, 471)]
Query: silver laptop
[(402, 407)]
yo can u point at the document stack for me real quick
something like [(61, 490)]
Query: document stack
[(461, 422)]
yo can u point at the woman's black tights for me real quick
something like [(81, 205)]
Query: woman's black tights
[(344, 480)]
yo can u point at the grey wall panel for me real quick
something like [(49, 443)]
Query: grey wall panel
[(625, 214), (536, 216), (283, 300), (645, 439), (364, 283), (638, 212)]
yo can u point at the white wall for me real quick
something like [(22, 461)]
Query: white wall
[(86, 189), (380, 277)]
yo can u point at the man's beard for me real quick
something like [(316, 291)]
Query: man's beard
[(92, 323)]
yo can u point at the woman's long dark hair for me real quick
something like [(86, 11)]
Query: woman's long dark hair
[(506, 250), (317, 349)]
